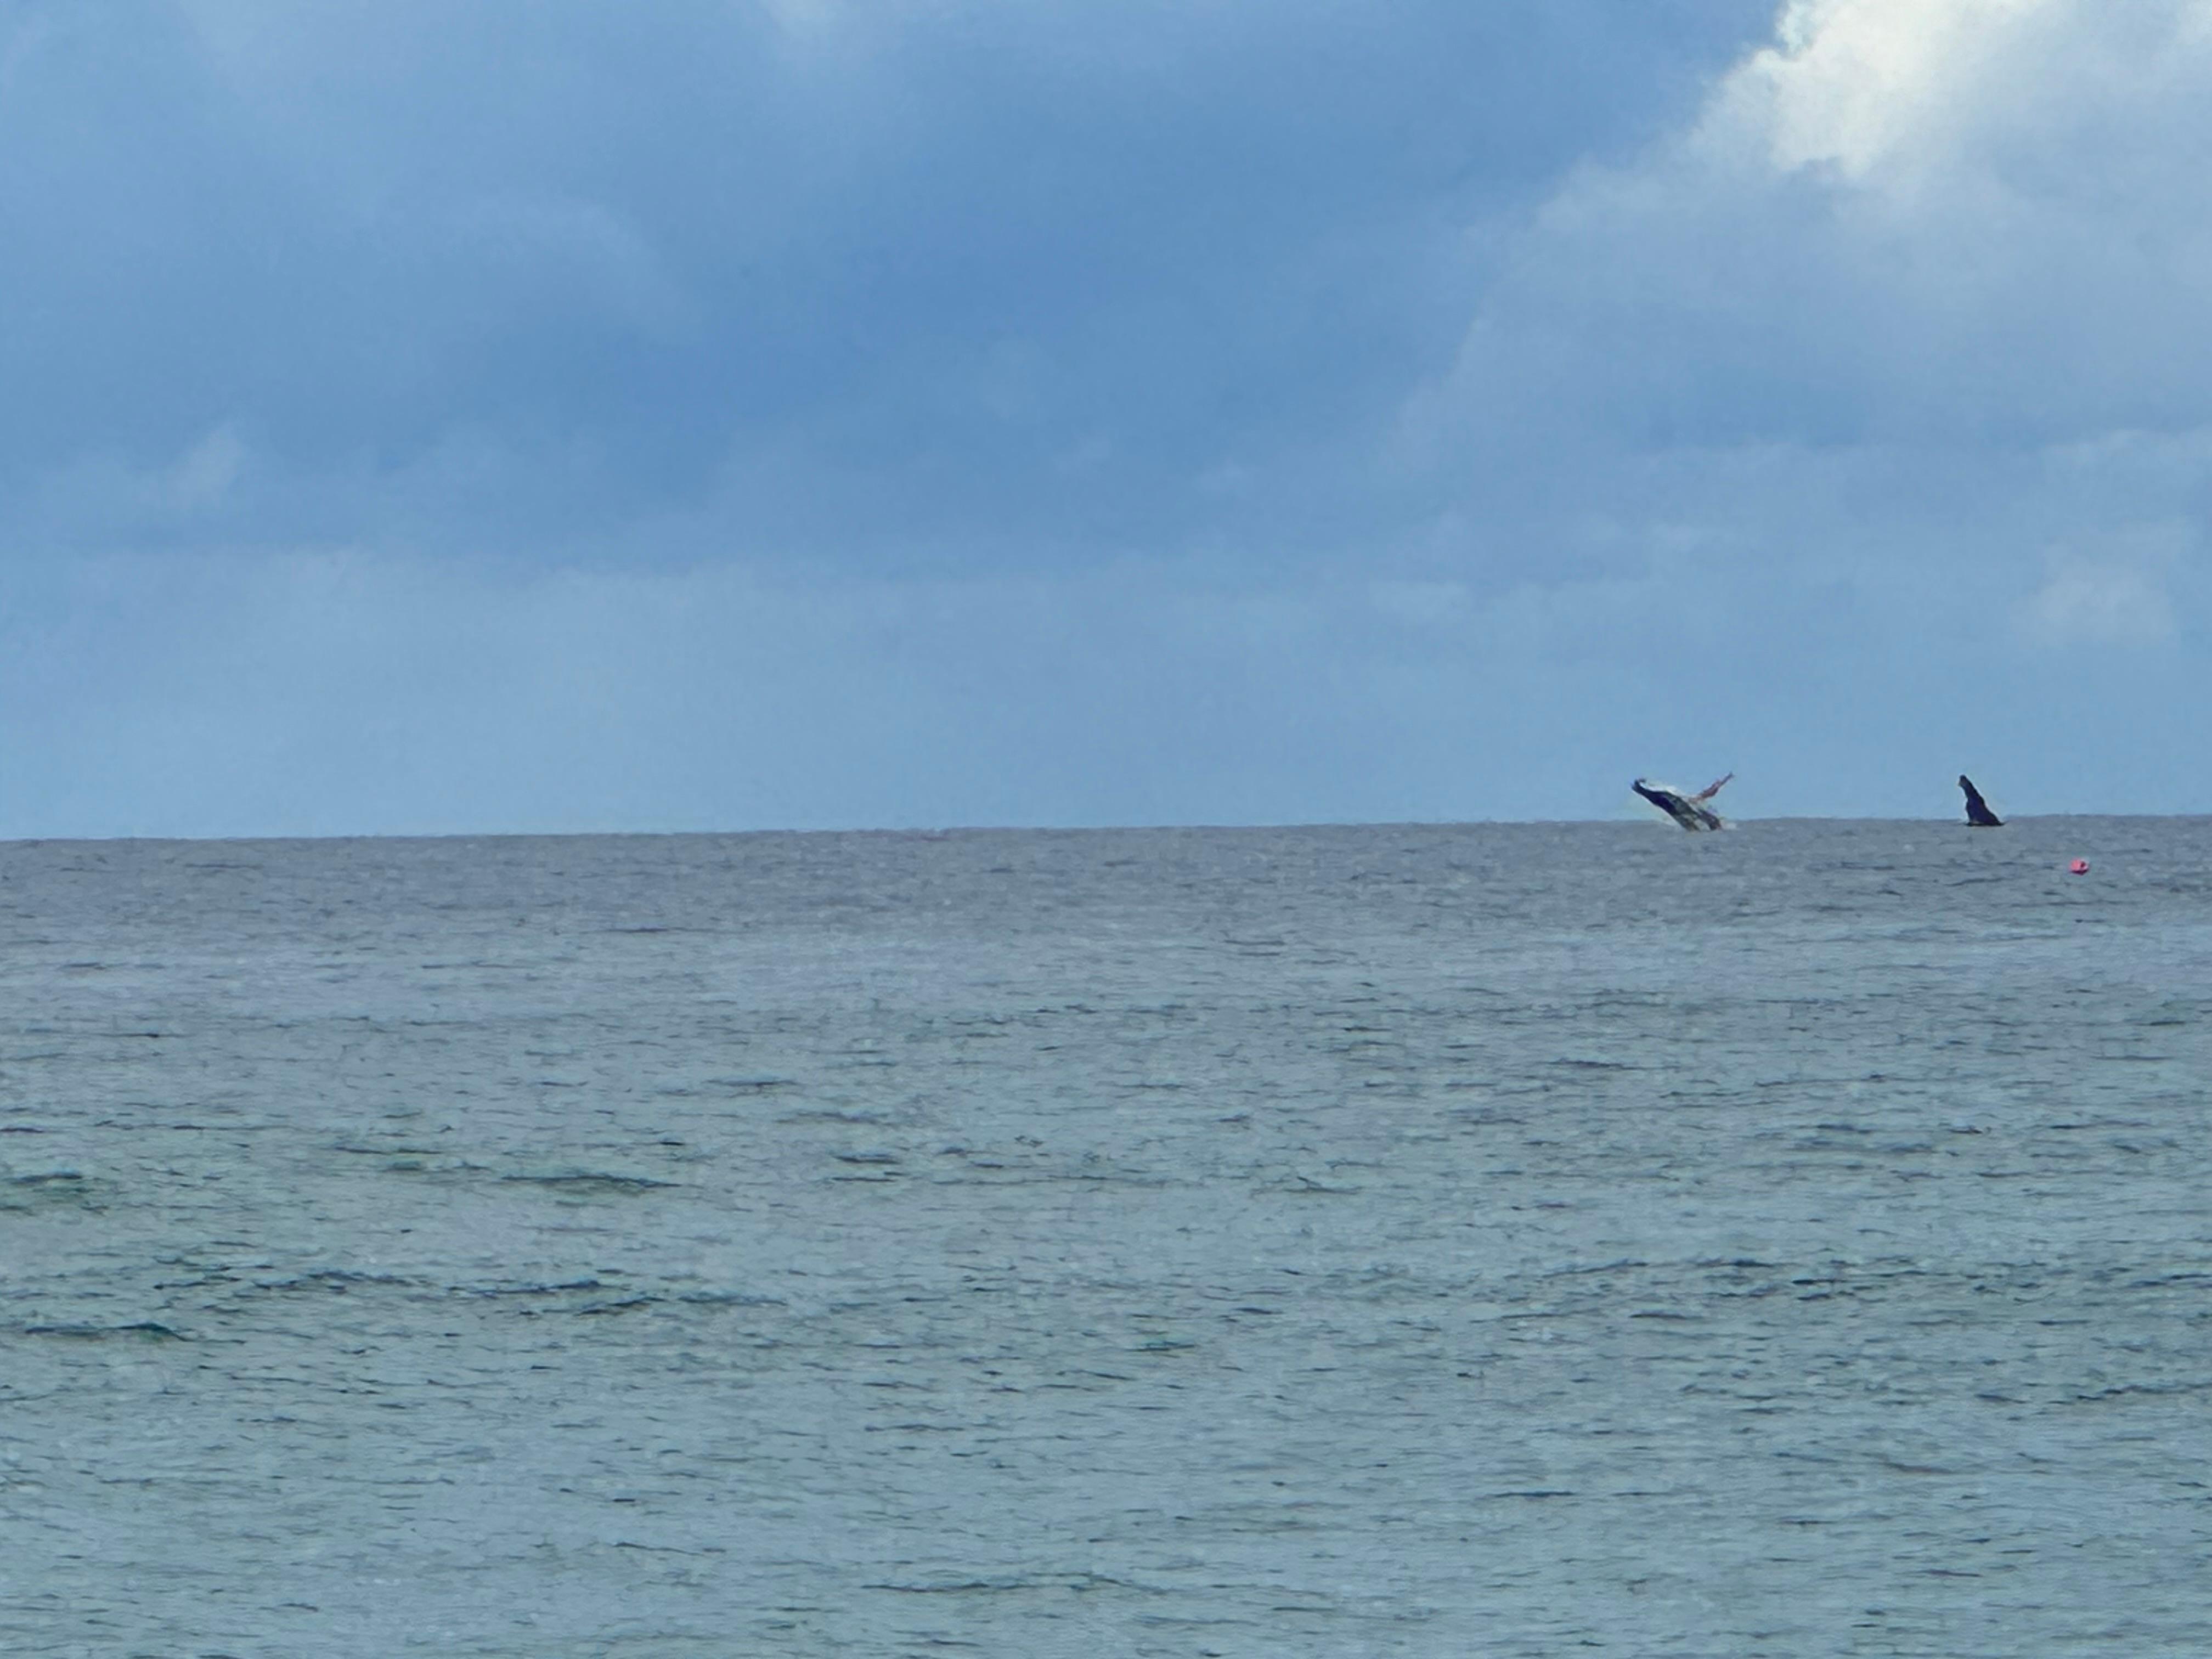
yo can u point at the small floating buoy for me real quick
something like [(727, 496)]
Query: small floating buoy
[(2079, 867)]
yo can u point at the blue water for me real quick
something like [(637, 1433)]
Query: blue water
[(1511, 1240)]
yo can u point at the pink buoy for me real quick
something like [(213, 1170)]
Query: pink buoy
[(2079, 867)]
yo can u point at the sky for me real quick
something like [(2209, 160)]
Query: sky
[(755, 414)]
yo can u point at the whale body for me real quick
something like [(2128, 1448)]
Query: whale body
[(1978, 809), (1687, 810)]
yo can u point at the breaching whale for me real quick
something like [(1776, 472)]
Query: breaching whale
[(1978, 809), (1688, 810)]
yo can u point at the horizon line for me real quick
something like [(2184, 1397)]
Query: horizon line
[(943, 830)]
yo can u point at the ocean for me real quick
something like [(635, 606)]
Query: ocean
[(1490, 1240)]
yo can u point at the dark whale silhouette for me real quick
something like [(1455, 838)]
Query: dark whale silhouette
[(1978, 809), (1688, 810)]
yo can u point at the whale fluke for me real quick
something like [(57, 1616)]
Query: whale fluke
[(1686, 810), (1978, 809)]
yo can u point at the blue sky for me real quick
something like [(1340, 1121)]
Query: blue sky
[(807, 413)]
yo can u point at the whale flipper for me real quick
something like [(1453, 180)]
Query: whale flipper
[(1688, 810), (1978, 809)]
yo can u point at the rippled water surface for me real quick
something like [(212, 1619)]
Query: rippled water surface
[(1500, 1240)]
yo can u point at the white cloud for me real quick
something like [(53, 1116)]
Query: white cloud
[(1924, 280), (2099, 604), (204, 474), (1856, 83), (1961, 220)]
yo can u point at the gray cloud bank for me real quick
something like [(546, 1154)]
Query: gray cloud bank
[(807, 413)]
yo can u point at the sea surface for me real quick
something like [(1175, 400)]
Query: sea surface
[(1439, 1240)]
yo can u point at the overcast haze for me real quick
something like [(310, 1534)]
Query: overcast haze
[(797, 413)]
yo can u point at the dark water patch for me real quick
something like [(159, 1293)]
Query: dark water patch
[(2147, 1390), (46, 1190), (730, 1299), (144, 1330), (563, 1288), (336, 1281), (1078, 1583), (626, 1305), (389, 1149), (590, 1182)]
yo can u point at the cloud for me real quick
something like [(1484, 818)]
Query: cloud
[(812, 413), (1960, 222), (842, 284), (1922, 283), (2106, 606), (2119, 597)]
